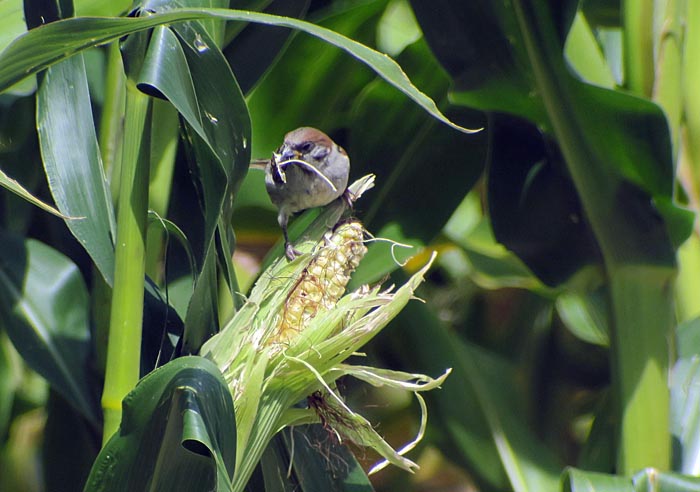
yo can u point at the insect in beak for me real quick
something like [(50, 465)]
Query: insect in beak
[(279, 174)]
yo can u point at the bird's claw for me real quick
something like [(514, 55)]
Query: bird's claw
[(290, 252)]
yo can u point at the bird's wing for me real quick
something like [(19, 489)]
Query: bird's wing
[(311, 168)]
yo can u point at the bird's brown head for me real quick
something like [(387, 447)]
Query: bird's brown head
[(307, 144)]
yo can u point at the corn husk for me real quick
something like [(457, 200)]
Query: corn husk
[(289, 341)]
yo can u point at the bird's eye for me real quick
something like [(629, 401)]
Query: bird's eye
[(306, 147)]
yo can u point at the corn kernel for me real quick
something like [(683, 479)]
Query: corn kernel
[(323, 281)]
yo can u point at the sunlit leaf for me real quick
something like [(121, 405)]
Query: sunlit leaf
[(649, 480), (586, 315), (685, 414), (16, 188), (615, 151), (72, 160), (584, 53), (582, 481), (46, 45), (627, 137), (335, 85)]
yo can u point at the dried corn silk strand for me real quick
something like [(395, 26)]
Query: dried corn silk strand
[(323, 281)]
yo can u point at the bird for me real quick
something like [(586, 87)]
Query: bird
[(308, 170)]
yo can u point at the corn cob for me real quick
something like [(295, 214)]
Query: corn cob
[(323, 281)]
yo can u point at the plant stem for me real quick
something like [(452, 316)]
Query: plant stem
[(124, 346), (643, 317), (110, 139), (668, 87), (690, 177), (111, 122), (639, 274), (638, 42), (164, 140)]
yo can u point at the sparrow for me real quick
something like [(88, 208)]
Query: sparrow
[(308, 170)]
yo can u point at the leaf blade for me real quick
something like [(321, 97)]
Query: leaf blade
[(63, 38), (72, 160), (44, 306)]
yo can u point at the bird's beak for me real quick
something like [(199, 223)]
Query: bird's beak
[(288, 154)]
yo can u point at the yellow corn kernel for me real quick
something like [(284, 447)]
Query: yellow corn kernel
[(323, 281)]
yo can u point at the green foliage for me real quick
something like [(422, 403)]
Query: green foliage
[(45, 314), (564, 295), (177, 433)]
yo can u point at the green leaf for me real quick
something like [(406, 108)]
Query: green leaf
[(534, 208), (584, 53), (221, 151), (272, 474), (582, 481), (334, 86), (9, 381), (16, 188), (603, 12), (177, 433), (648, 480), (20, 162), (11, 21), (101, 7), (478, 409), (48, 44), (691, 98), (253, 50), (185, 66), (66, 468), (688, 333), (411, 154), (225, 119), (479, 45), (12, 25), (317, 462), (165, 74), (44, 309), (330, 468), (586, 315), (72, 160), (619, 159), (685, 413), (492, 265), (201, 319), (162, 329), (172, 231), (651, 480), (627, 137), (599, 451)]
